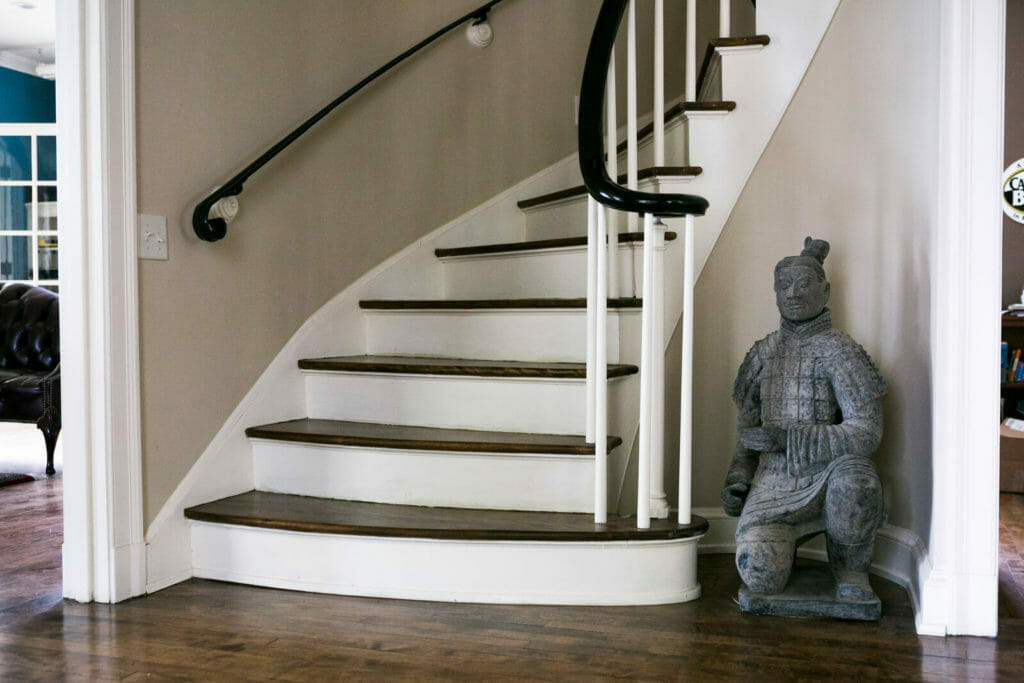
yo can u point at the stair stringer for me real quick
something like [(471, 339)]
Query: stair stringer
[(225, 467)]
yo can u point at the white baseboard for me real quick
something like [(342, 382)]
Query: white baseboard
[(900, 556)]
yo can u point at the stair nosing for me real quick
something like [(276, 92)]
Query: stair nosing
[(268, 433), (536, 245), (579, 190), (715, 43), (457, 367), (615, 530)]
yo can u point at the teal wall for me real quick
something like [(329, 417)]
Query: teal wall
[(26, 99)]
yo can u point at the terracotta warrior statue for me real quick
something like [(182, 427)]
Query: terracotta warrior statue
[(810, 417)]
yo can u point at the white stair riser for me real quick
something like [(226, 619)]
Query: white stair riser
[(549, 273), (544, 406), (436, 478), (611, 573), (527, 334)]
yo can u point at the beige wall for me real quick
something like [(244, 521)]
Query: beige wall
[(853, 162), (219, 82)]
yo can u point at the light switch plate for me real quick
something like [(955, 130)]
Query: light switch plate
[(153, 237)]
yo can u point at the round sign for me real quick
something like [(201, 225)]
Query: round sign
[(1013, 191)]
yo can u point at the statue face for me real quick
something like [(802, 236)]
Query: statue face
[(800, 293)]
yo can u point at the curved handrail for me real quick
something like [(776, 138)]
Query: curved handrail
[(591, 137), (212, 229)]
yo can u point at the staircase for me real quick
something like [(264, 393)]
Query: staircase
[(448, 460)]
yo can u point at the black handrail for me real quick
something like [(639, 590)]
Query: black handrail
[(591, 136), (213, 229)]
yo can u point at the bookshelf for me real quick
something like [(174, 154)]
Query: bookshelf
[(1012, 392)]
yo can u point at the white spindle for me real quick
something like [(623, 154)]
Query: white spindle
[(659, 82), (691, 50), (592, 210), (723, 18), (601, 375), (643, 499), (613, 171), (659, 505), (686, 379), (631, 125)]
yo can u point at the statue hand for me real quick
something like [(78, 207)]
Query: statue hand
[(733, 498), (763, 439)]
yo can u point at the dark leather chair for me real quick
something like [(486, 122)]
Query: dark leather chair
[(30, 360)]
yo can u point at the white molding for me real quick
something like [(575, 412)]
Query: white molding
[(20, 63), (960, 590), (509, 572), (103, 552)]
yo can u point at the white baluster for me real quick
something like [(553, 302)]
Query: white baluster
[(724, 18), (691, 50), (601, 375), (613, 171), (659, 501), (592, 210), (643, 498), (686, 379), (631, 124), (659, 82)]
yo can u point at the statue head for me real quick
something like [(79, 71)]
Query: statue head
[(801, 290)]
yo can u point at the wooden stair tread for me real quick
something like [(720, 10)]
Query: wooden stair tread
[(534, 245), (475, 304), (330, 516), (374, 435), (428, 365), (715, 43), (580, 190)]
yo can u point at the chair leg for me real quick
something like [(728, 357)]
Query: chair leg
[(50, 434)]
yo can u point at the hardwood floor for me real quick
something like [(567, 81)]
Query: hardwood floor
[(204, 630)]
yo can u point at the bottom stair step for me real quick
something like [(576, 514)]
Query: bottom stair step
[(403, 551)]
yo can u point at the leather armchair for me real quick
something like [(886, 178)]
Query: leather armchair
[(30, 360)]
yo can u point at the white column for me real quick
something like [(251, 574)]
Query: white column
[(592, 211), (691, 50), (643, 498), (631, 124), (659, 82), (612, 145), (659, 501), (686, 379), (601, 376), (724, 17)]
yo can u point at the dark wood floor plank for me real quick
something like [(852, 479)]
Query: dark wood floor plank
[(536, 245), (496, 304), (374, 435), (330, 516), (642, 174), (461, 367), (205, 630)]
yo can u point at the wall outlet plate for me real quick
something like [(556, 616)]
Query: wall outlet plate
[(153, 237)]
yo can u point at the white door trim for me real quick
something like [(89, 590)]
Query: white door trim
[(104, 553), (959, 593)]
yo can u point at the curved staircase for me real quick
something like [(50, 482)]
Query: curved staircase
[(446, 460)]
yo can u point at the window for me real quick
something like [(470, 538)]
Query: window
[(28, 204)]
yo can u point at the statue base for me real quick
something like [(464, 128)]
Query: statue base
[(811, 592)]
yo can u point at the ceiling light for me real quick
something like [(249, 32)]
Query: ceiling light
[(23, 4)]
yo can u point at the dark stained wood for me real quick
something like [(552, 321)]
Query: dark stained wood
[(329, 516), (472, 304), (535, 245), (580, 190), (1013, 321), (373, 435), (207, 630), (460, 367), (715, 43)]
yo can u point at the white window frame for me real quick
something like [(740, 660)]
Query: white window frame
[(33, 131)]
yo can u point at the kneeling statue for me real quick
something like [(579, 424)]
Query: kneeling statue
[(810, 417)]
